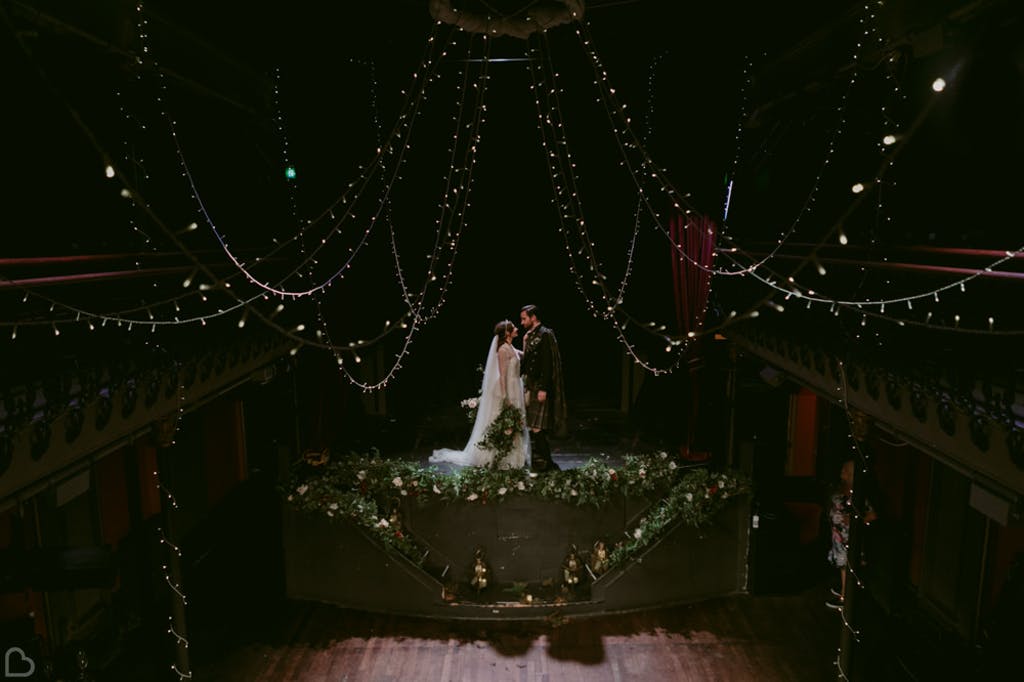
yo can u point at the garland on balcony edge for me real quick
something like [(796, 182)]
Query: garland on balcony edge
[(360, 488)]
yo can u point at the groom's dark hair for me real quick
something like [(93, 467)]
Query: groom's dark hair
[(531, 310)]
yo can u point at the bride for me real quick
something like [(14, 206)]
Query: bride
[(501, 382)]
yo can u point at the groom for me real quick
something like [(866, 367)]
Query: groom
[(544, 390)]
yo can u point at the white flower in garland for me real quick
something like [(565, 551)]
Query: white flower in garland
[(302, 489), (642, 473), (572, 491), (397, 481), (502, 490), (404, 491), (333, 506), (437, 491), (330, 513), (361, 475), (290, 498), (689, 497), (383, 523), (638, 533), (472, 496), (671, 466), (663, 454), (520, 486)]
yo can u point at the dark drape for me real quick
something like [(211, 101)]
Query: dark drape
[(691, 275), (694, 235)]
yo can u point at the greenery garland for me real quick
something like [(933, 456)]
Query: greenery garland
[(502, 433), (366, 490)]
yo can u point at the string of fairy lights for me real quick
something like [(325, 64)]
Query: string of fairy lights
[(135, 162), (416, 312), (152, 321), (456, 194), (861, 460), (177, 590), (730, 177), (807, 293), (454, 202), (627, 140), (606, 302), (384, 171), (423, 77), (567, 196)]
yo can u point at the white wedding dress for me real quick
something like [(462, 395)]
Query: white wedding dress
[(501, 382)]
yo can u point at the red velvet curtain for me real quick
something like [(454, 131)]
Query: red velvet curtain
[(691, 279), (691, 276)]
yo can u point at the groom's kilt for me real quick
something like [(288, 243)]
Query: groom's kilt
[(537, 414)]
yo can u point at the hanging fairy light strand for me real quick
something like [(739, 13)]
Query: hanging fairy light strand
[(416, 312), (454, 202), (748, 69), (137, 164), (459, 190), (430, 64), (866, 308), (200, 267), (403, 127), (615, 109), (565, 186), (129, 191), (173, 236), (292, 180), (568, 204), (176, 588)]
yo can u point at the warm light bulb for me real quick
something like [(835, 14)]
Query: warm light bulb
[(889, 139), (843, 238), (857, 188), (938, 85), (109, 171)]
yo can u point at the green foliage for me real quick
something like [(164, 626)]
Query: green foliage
[(501, 434), (366, 489)]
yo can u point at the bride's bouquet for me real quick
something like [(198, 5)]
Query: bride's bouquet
[(471, 405), (501, 435)]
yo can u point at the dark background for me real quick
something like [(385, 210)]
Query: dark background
[(80, 99)]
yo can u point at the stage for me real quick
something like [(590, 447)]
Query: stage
[(418, 556)]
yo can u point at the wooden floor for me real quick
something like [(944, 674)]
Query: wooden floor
[(736, 638)]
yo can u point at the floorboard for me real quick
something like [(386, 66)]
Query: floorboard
[(736, 638)]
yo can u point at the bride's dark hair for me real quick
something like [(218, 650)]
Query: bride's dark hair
[(502, 328)]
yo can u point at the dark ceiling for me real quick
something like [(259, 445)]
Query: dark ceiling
[(87, 94)]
